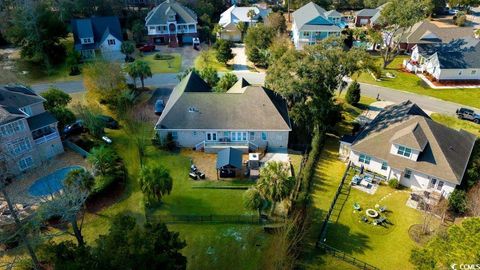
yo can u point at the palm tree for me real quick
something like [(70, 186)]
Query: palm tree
[(217, 30), (139, 69), (250, 14), (242, 27), (155, 182), (253, 200), (275, 183), (103, 160)]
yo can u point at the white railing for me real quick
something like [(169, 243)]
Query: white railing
[(200, 145), (233, 144), (47, 138)]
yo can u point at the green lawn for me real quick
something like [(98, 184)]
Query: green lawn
[(208, 59), (411, 83), (164, 66), (454, 122)]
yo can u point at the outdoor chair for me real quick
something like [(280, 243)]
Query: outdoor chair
[(356, 206), (379, 221), (364, 219), (382, 209)]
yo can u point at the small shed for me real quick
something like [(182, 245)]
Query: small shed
[(229, 163)]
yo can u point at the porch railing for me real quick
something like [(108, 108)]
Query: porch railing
[(47, 138), (204, 144)]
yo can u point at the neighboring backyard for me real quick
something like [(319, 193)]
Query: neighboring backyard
[(455, 123), (411, 83)]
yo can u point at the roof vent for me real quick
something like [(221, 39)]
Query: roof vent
[(192, 109)]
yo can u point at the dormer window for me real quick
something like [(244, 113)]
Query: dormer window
[(404, 151), (171, 18)]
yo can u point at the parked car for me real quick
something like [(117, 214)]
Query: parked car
[(109, 121), (147, 48), (467, 114), (75, 128), (159, 106), (107, 139)]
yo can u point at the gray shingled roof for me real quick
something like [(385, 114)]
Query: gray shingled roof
[(9, 114), (425, 32), (229, 157), (446, 151), (367, 12), (99, 26), (18, 96), (41, 120), (307, 13), (457, 54), (158, 15), (256, 108), (333, 13)]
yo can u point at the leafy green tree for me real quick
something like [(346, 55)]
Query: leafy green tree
[(397, 18), (258, 37), (226, 82), (277, 22), (64, 116), (251, 14), (308, 79), (37, 29), (457, 201), (139, 69), (460, 19), (460, 244), (224, 51), (103, 81), (253, 200), (353, 93), (210, 76), (55, 98), (127, 48), (138, 31), (73, 60), (155, 182), (275, 184), (91, 120), (278, 48), (102, 159), (374, 3), (472, 174)]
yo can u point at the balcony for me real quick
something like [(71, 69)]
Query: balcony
[(46, 137), (215, 146)]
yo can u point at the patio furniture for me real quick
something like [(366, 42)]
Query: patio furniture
[(356, 180), (193, 176), (382, 209), (371, 213), (379, 221), (368, 178), (364, 183), (364, 219), (356, 206)]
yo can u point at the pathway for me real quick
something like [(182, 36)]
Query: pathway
[(240, 59)]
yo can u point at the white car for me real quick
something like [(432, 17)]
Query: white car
[(106, 139)]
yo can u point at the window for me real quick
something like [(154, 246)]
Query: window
[(174, 135), (20, 146), (25, 163), (440, 185), (384, 166), (152, 27), (408, 174), (239, 136), (194, 133), (111, 42), (12, 128), (211, 136), (306, 34), (264, 136), (226, 134), (404, 151), (27, 110), (252, 135), (364, 159)]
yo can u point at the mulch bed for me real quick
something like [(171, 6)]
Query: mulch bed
[(105, 198)]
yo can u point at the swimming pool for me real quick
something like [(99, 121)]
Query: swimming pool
[(51, 183)]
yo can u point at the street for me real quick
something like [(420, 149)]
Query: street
[(169, 80)]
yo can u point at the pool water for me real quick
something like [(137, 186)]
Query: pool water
[(51, 183)]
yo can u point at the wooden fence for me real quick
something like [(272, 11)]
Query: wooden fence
[(222, 219), (347, 257)]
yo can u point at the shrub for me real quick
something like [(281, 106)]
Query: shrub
[(353, 93), (458, 201), (158, 56), (460, 19), (224, 51), (393, 183)]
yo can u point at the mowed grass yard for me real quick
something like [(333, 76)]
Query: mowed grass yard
[(173, 65), (207, 58), (455, 123), (409, 82)]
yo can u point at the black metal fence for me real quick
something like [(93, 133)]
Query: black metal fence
[(221, 219), (347, 258)]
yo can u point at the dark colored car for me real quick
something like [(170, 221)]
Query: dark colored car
[(467, 114), (73, 129), (147, 48), (159, 106), (109, 122)]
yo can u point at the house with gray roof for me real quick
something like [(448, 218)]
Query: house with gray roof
[(368, 16), (97, 34), (28, 133), (312, 23), (171, 23), (230, 18), (457, 60), (246, 117), (404, 143)]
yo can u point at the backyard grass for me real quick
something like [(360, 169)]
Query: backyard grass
[(411, 83), (164, 66), (455, 123), (207, 58)]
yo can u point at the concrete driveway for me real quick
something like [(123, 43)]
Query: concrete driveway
[(240, 59), (186, 51)]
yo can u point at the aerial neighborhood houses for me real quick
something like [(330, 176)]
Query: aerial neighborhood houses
[(28, 133), (171, 23), (230, 18), (246, 117), (368, 16), (404, 143), (102, 34), (312, 23)]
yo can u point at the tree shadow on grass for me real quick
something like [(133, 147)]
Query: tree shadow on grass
[(341, 237)]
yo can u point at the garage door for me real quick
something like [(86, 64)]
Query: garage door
[(187, 39), (363, 21)]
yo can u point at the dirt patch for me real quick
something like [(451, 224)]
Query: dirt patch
[(416, 234)]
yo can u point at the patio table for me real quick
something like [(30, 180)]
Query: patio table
[(364, 183)]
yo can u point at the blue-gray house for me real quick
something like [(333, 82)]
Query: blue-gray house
[(94, 34)]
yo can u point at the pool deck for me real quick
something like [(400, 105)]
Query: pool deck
[(18, 190)]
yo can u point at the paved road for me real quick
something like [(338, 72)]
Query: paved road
[(169, 80)]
